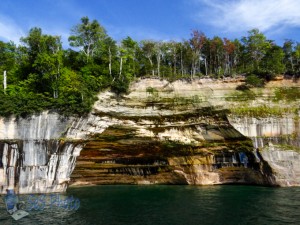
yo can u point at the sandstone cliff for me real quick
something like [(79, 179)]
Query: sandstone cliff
[(161, 133)]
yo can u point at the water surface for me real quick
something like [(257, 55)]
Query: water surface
[(172, 205)]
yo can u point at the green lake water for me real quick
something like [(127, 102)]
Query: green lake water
[(172, 205)]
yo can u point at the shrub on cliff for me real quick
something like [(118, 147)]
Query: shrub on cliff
[(287, 94), (120, 86), (254, 81)]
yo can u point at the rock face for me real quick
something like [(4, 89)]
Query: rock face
[(157, 135), (278, 142), (271, 120), (161, 133), (33, 159)]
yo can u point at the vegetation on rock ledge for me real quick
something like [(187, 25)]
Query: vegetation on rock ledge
[(262, 111)]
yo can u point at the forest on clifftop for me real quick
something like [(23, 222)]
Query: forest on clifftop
[(42, 75)]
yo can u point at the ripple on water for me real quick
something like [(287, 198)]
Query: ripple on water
[(174, 205)]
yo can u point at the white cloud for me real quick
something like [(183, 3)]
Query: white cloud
[(242, 15), (9, 31)]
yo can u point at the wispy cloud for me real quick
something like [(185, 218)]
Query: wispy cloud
[(9, 30), (242, 15), (54, 17)]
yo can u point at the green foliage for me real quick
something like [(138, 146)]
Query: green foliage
[(254, 81), (272, 63), (87, 36), (151, 90), (21, 103), (242, 95), (256, 46), (41, 75), (153, 94), (194, 100), (120, 86), (74, 97), (261, 111), (177, 148), (287, 94), (7, 55)]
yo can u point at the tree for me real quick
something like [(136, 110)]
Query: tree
[(186, 58), (50, 61), (29, 50), (109, 51), (296, 56), (229, 48), (197, 42), (237, 54), (87, 36), (158, 54), (272, 63), (217, 54), (8, 61), (288, 49), (174, 48), (45, 59), (130, 48), (256, 45), (7, 55), (148, 48), (181, 46)]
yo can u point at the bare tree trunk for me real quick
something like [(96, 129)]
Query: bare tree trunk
[(292, 64), (55, 92), (88, 53), (196, 57), (199, 65), (4, 81), (151, 63), (158, 65), (181, 62), (194, 67), (175, 65), (109, 65), (121, 65), (134, 59), (205, 64)]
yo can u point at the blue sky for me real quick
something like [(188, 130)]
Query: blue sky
[(153, 19)]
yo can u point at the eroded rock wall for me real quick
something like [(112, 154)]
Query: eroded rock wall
[(160, 133), (164, 133), (271, 120), (33, 158), (277, 140)]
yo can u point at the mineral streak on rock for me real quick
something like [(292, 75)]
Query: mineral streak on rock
[(160, 133)]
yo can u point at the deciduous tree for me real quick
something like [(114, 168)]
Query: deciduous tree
[(197, 41), (87, 36), (256, 46)]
